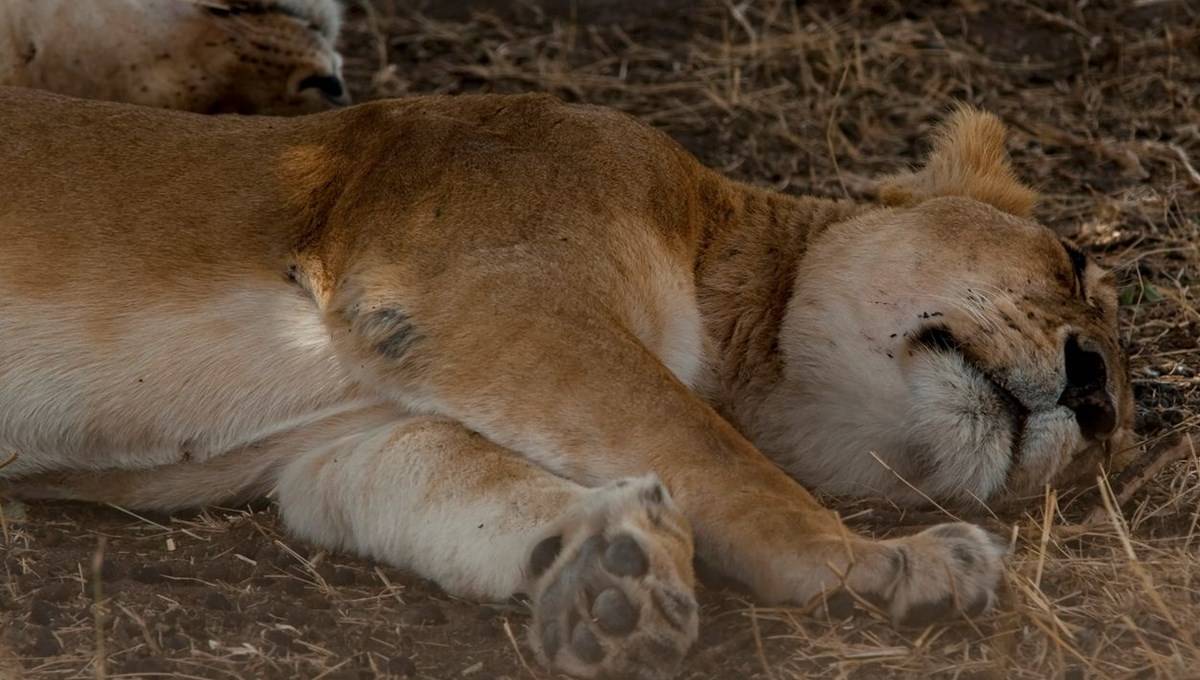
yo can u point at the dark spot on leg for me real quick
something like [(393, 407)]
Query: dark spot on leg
[(585, 644), (544, 554), (614, 613), (626, 558), (551, 639), (654, 494), (391, 330), (921, 615)]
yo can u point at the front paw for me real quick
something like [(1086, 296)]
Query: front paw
[(944, 572)]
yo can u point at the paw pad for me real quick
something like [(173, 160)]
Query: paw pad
[(614, 613), (585, 644), (624, 557), (544, 554)]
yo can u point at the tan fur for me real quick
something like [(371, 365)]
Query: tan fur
[(968, 159), (453, 331), (210, 56)]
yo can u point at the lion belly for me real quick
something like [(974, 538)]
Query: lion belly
[(88, 388)]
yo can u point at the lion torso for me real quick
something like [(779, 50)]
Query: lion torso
[(168, 274)]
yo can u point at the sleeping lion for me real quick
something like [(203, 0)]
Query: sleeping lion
[(520, 346), (209, 56)]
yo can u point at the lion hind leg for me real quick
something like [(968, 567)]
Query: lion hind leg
[(242, 474), (235, 477)]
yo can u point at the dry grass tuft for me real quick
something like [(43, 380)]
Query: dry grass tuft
[(803, 97)]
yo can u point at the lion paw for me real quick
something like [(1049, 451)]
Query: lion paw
[(612, 586), (945, 571)]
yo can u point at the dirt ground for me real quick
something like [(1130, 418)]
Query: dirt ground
[(1104, 100)]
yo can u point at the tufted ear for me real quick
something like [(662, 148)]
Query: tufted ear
[(968, 159)]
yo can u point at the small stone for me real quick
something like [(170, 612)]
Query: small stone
[(401, 666), (146, 573), (217, 602), (41, 612), (43, 644), (59, 592), (423, 615)]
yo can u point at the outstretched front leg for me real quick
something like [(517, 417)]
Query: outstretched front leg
[(608, 569), (555, 373)]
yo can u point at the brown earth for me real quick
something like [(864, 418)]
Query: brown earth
[(814, 98)]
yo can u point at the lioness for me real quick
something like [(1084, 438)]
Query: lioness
[(521, 346), (209, 56)]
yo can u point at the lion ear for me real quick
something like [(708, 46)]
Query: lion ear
[(968, 159)]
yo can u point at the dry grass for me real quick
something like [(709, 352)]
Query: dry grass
[(816, 99)]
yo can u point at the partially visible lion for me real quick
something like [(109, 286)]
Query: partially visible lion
[(208, 56), (521, 346)]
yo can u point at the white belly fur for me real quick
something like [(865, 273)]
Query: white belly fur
[(168, 383)]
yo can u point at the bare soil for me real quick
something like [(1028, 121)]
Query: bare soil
[(806, 98)]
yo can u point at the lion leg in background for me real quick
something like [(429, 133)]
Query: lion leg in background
[(579, 395), (608, 569)]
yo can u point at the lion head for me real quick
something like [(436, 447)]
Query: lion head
[(947, 346), (209, 56), (270, 56)]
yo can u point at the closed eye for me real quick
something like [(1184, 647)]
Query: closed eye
[(1079, 264), (938, 339)]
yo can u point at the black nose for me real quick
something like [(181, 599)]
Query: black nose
[(329, 86), (1087, 391)]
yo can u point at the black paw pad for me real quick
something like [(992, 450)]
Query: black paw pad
[(614, 613), (839, 605), (977, 607), (624, 557), (544, 554), (926, 613), (585, 644)]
